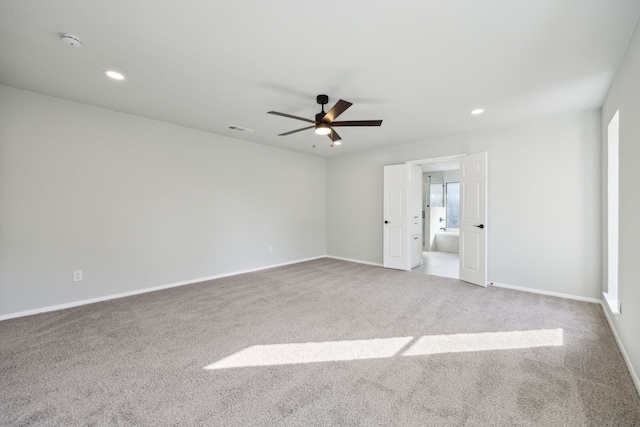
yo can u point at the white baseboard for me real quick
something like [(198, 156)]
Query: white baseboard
[(145, 290), (550, 293), (354, 260)]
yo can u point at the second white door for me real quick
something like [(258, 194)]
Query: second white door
[(473, 219)]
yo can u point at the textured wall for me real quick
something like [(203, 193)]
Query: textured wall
[(544, 217), (137, 203), (624, 96)]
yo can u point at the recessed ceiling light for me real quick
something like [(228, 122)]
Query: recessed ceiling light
[(337, 143), (477, 111), (114, 75)]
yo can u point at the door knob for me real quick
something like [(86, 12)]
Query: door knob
[(479, 226), (386, 222)]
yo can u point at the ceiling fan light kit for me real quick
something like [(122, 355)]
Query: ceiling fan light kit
[(324, 123), (323, 129)]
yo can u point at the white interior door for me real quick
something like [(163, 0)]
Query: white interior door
[(396, 244), (473, 218)]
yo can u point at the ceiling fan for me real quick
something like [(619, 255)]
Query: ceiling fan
[(325, 122)]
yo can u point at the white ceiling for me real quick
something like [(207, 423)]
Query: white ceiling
[(420, 65), (441, 166)]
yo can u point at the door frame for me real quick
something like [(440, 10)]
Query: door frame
[(436, 159)]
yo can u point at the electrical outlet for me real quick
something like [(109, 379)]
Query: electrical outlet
[(270, 249), (77, 275)]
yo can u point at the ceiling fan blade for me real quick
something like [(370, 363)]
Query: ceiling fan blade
[(358, 123), (334, 136), (290, 116), (337, 109), (297, 130)]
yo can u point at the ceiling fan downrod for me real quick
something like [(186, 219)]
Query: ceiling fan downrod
[(322, 100)]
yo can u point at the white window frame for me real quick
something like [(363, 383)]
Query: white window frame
[(613, 158)]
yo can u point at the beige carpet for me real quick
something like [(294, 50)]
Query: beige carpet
[(324, 342)]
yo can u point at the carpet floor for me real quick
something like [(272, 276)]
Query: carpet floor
[(318, 343)]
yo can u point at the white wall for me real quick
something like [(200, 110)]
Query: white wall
[(137, 203), (624, 96), (543, 194)]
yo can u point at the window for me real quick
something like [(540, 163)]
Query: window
[(611, 296), (452, 197)]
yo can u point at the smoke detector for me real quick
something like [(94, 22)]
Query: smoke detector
[(71, 40)]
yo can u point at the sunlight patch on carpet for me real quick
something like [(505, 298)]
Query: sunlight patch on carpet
[(379, 348), (312, 352), (485, 341)]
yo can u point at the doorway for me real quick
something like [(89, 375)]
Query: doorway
[(465, 231), (440, 216)]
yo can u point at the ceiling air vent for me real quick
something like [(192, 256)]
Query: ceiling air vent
[(239, 129)]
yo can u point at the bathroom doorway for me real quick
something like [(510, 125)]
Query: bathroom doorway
[(464, 232), (441, 221)]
